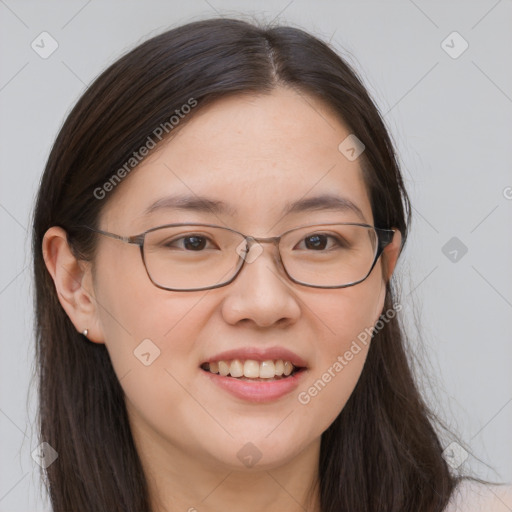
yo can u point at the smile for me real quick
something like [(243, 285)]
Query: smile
[(251, 369), (285, 378)]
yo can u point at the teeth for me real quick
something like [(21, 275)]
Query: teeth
[(267, 370), (252, 369), (288, 368), (223, 368), (236, 369)]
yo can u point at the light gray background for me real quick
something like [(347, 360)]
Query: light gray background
[(451, 120)]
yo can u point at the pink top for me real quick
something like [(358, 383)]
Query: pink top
[(472, 496)]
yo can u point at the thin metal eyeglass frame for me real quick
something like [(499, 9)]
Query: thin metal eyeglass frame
[(384, 238)]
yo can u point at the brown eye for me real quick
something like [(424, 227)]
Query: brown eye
[(190, 242), (320, 242), (316, 242), (194, 242)]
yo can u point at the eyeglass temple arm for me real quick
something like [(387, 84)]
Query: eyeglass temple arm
[(385, 238), (135, 239)]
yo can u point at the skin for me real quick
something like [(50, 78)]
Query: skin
[(255, 152)]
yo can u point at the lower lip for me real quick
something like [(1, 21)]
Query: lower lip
[(257, 391)]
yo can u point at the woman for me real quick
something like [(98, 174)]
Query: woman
[(247, 354)]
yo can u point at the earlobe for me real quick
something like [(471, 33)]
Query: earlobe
[(73, 283)]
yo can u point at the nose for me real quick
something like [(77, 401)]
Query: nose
[(261, 293)]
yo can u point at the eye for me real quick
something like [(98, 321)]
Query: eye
[(190, 242), (319, 241)]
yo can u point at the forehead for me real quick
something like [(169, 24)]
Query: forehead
[(248, 159)]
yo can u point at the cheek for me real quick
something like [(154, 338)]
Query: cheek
[(340, 354), (348, 314), (141, 322), (150, 335)]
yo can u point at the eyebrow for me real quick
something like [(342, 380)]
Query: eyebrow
[(324, 202)]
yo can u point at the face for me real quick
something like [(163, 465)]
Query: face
[(256, 154)]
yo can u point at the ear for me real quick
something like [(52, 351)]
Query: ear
[(73, 282), (390, 255)]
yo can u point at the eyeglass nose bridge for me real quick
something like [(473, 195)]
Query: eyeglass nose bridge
[(252, 240)]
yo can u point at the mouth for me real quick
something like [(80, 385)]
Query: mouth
[(252, 370)]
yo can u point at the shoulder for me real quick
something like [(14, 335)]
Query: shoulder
[(470, 496)]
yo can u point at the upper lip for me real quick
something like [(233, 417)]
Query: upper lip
[(258, 354)]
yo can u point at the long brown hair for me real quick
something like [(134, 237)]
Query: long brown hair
[(382, 451)]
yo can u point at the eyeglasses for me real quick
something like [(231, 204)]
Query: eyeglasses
[(192, 257)]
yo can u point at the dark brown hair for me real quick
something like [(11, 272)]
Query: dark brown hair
[(382, 452)]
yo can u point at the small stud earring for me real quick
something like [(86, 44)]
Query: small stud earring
[(85, 332)]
